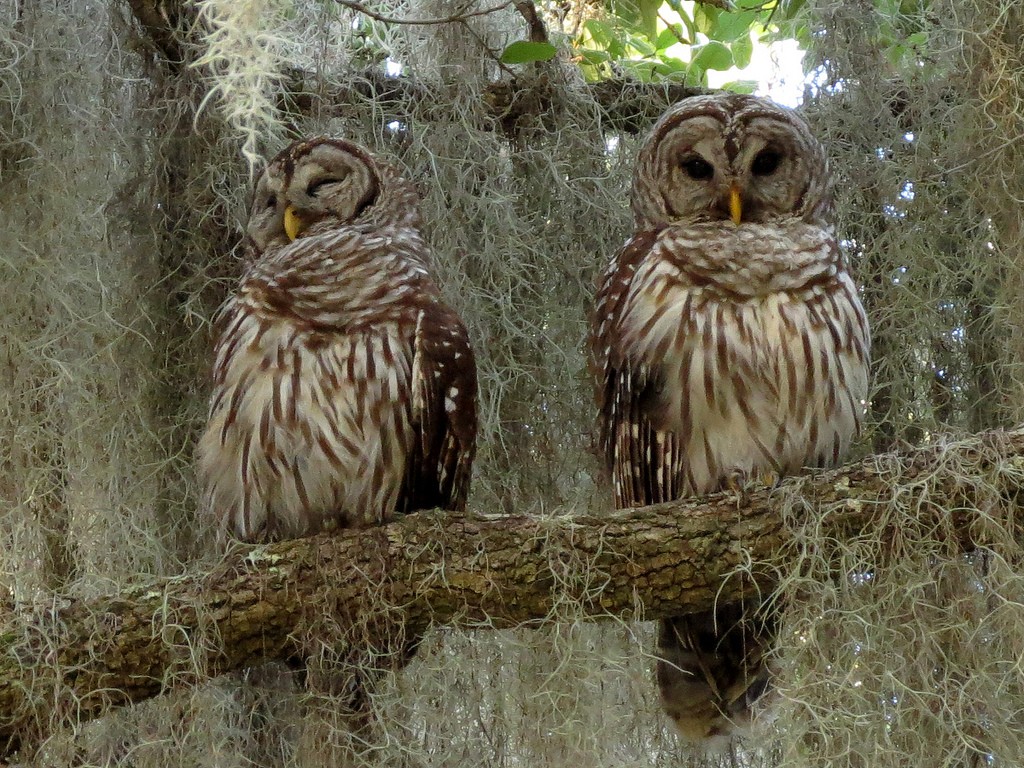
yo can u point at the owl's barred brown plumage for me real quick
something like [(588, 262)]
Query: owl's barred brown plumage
[(344, 388), (728, 342)]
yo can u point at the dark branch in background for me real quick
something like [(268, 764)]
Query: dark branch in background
[(534, 24), (455, 18), (163, 21), (675, 32), (77, 659), (628, 106)]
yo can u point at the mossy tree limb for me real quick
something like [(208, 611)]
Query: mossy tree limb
[(77, 659)]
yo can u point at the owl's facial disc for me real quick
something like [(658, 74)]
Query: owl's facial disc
[(698, 180), (726, 158), (311, 183), (317, 193)]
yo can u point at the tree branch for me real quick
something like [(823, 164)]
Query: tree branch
[(452, 19), (534, 24), (163, 22), (83, 657), (628, 105)]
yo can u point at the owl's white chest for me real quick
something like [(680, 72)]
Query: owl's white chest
[(306, 428), (767, 383)]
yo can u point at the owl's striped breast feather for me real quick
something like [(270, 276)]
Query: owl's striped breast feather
[(311, 429), (722, 353)]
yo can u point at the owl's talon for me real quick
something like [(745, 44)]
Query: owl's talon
[(736, 483)]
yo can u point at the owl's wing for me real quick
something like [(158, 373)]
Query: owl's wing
[(645, 461), (443, 413)]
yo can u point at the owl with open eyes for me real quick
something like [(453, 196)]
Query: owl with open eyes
[(728, 343), (344, 388)]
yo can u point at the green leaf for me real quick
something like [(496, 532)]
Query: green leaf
[(741, 86), (594, 58), (790, 8), (643, 71), (713, 55), (696, 76), (523, 52), (592, 73), (705, 18), (896, 53), (742, 50), (637, 16), (642, 45), (731, 26), (606, 36), (626, 10), (650, 71), (649, 17), (670, 66), (677, 6), (600, 32), (670, 37)]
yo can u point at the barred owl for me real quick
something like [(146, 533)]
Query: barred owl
[(344, 389), (728, 342)]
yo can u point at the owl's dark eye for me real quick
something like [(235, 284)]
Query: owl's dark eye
[(316, 187), (766, 162), (271, 201), (697, 168)]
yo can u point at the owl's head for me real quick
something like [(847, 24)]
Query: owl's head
[(731, 157), (324, 183)]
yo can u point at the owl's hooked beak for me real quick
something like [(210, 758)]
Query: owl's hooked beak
[(735, 203), (293, 225)]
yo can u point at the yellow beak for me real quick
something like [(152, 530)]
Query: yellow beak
[(293, 225), (735, 204)]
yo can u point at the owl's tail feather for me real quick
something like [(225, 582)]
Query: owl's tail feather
[(711, 669)]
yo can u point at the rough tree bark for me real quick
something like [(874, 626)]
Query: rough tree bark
[(84, 657)]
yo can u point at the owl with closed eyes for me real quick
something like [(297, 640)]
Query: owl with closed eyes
[(728, 343), (344, 388)]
